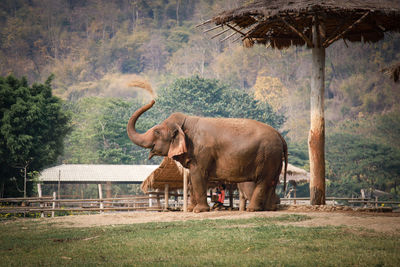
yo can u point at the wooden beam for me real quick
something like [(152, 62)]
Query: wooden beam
[(305, 38), (220, 33), (213, 28), (338, 29), (229, 36), (236, 30), (340, 35), (203, 23)]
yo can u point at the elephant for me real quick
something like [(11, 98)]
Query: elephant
[(221, 149), (245, 193)]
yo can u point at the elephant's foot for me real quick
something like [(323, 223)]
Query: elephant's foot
[(254, 209), (201, 208), (190, 207), (271, 207)]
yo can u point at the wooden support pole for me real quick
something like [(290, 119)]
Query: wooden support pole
[(59, 185), (54, 204), (39, 189), (150, 200), (316, 137), (158, 200), (166, 196), (185, 190), (101, 197), (108, 191)]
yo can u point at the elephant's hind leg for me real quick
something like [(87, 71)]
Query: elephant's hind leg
[(271, 203), (263, 192), (258, 198)]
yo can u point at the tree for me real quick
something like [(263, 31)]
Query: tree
[(271, 89), (211, 98), (356, 162), (32, 130), (99, 134)]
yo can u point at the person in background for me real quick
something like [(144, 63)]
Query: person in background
[(221, 197)]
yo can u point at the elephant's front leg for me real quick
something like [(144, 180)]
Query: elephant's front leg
[(199, 184), (192, 202)]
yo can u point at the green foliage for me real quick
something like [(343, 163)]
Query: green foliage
[(33, 127), (211, 98), (298, 154), (99, 133), (356, 162)]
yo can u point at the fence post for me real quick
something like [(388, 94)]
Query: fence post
[(150, 200), (158, 200), (101, 197), (54, 204), (39, 188)]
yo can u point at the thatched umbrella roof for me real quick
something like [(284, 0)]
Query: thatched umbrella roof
[(284, 23)]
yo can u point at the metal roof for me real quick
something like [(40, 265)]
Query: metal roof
[(93, 173)]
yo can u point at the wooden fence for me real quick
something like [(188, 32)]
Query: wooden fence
[(154, 201), (51, 205)]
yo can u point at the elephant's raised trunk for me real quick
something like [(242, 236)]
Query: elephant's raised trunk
[(143, 140)]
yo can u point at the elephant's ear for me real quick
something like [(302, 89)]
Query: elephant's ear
[(178, 143)]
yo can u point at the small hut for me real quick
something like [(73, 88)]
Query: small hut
[(393, 72), (169, 176), (295, 176)]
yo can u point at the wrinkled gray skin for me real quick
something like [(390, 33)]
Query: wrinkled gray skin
[(233, 150)]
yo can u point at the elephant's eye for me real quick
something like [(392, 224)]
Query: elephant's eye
[(157, 132)]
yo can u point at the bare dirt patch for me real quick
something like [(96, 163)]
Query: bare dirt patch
[(379, 222)]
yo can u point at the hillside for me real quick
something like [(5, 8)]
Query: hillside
[(96, 48)]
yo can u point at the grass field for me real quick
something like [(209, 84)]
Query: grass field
[(239, 242)]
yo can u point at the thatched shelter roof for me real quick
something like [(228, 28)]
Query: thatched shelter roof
[(393, 72), (171, 172), (296, 174), (282, 23)]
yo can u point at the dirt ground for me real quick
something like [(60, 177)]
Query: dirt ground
[(377, 221)]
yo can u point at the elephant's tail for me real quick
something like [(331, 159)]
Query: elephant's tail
[(285, 157)]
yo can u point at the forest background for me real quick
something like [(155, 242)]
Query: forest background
[(96, 48)]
